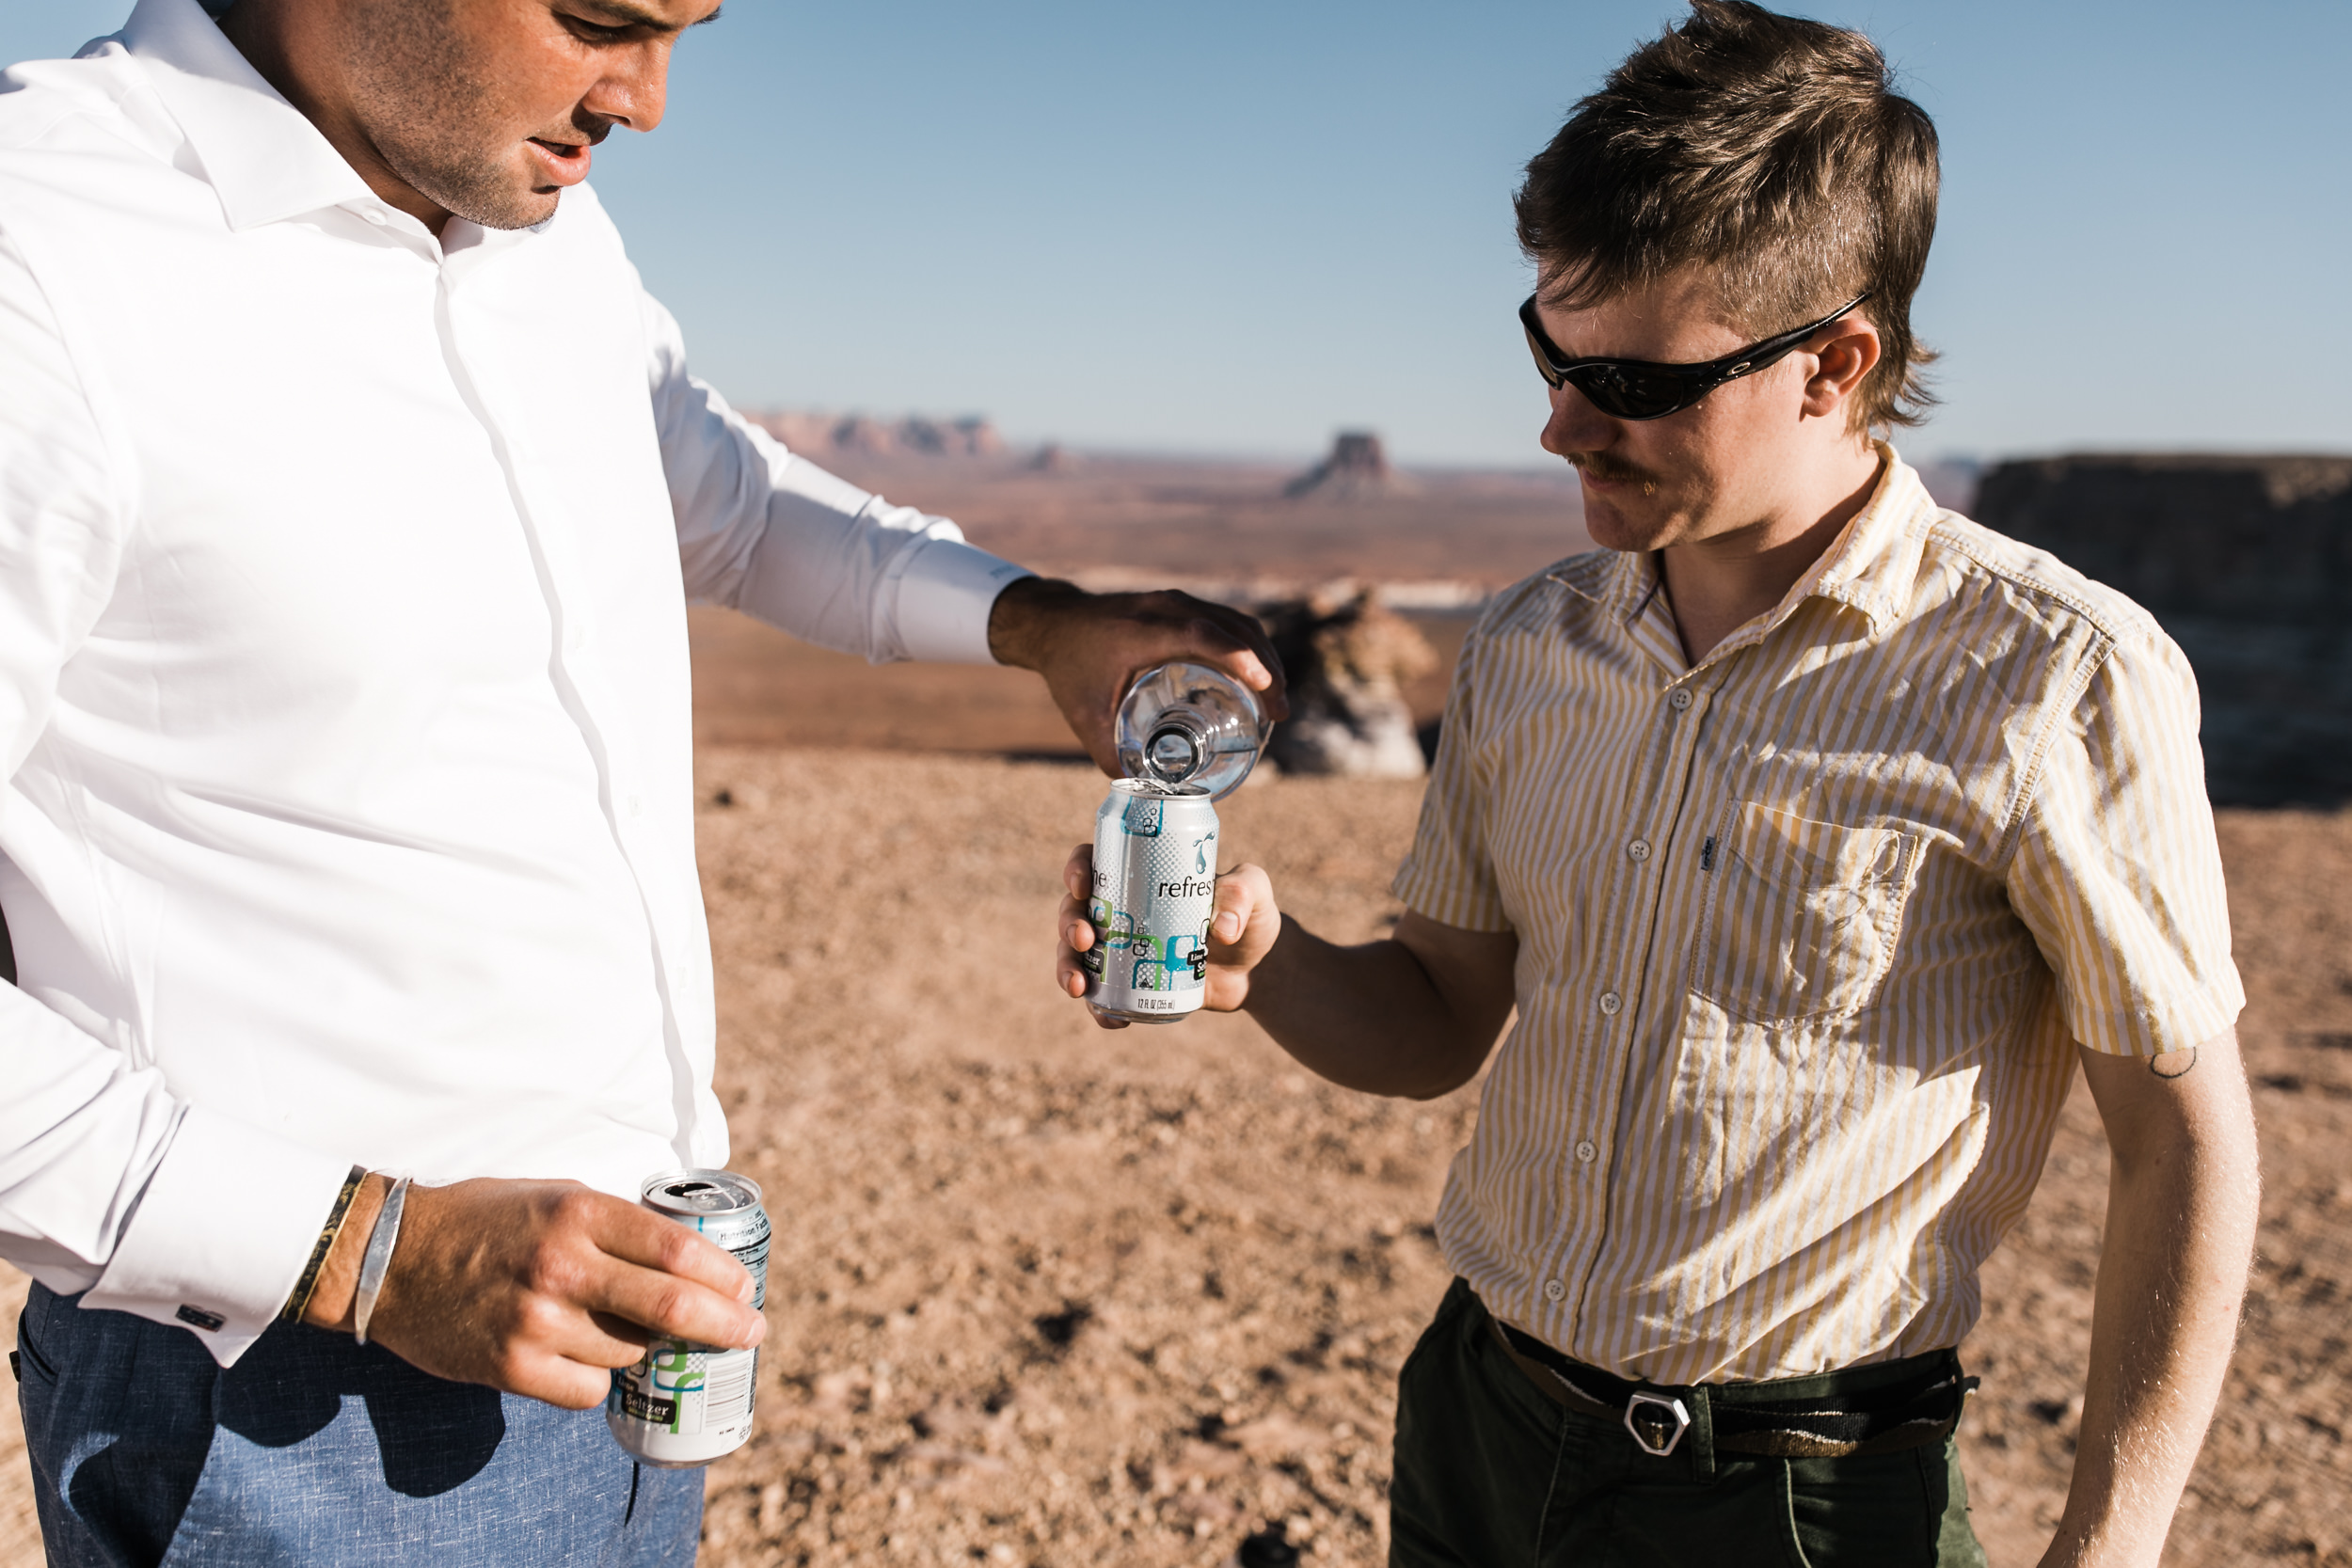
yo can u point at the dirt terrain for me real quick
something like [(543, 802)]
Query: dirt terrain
[(1046, 1295)]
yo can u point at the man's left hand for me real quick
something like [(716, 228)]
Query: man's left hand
[(1091, 647)]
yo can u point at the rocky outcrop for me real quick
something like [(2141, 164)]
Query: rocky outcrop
[(1358, 468), (819, 436), (1347, 657), (2247, 561)]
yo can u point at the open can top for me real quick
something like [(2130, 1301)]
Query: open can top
[(701, 1193)]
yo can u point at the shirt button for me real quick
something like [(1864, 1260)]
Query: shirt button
[(1678, 699), (1612, 1004), (1587, 1151), (636, 806), (1639, 849), (1553, 1289), (373, 216)]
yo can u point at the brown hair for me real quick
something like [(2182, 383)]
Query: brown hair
[(1772, 148)]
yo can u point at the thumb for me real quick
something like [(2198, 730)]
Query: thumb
[(1243, 898)]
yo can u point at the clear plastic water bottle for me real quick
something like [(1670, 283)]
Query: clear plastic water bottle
[(1189, 725)]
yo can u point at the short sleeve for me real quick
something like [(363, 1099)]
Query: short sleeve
[(2117, 871), (1448, 875)]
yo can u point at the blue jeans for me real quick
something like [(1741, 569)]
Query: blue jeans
[(311, 1451)]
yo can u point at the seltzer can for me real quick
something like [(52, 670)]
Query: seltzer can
[(684, 1405), (1154, 890)]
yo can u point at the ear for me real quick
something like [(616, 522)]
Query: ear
[(1840, 365)]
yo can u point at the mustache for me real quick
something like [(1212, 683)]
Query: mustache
[(577, 135), (1611, 471)]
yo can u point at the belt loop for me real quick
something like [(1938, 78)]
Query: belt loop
[(1700, 1439)]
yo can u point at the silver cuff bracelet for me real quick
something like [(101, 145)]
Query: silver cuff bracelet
[(377, 1260)]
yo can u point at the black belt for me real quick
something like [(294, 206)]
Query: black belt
[(1907, 1414)]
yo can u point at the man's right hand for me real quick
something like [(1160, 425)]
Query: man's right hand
[(536, 1288), (1242, 929), (1415, 1014)]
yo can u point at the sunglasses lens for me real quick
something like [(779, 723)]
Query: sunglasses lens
[(1543, 360), (1630, 393)]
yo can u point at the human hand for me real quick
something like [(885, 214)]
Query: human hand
[(1242, 929), (539, 1287), (1091, 647)]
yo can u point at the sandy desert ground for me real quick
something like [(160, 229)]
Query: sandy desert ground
[(1044, 1296)]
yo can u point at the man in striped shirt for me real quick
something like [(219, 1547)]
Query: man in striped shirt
[(1816, 835)]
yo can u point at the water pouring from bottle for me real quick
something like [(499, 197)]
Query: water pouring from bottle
[(1187, 736), (1190, 724)]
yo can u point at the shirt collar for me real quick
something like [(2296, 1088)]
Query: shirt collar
[(1869, 567), (266, 162), (1875, 563)]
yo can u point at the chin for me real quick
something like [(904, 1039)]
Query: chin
[(1612, 529)]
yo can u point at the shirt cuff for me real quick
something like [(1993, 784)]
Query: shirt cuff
[(944, 594), (226, 1223)]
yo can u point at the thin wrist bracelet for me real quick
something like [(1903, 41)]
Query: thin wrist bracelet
[(377, 1260), (305, 1287)]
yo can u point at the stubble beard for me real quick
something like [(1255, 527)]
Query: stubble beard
[(429, 110)]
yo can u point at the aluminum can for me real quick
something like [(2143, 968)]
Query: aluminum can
[(1155, 889), (684, 1405)]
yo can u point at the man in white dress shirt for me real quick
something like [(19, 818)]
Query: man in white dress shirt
[(352, 491)]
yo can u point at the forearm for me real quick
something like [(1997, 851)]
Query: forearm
[(1367, 1017), (2173, 1274)]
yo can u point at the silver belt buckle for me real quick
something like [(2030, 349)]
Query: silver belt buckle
[(1657, 1423)]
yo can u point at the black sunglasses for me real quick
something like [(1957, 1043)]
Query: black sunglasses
[(1641, 389)]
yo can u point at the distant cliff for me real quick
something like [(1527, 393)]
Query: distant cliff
[(815, 435), (2248, 562)]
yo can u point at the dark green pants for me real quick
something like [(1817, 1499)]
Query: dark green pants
[(1491, 1474)]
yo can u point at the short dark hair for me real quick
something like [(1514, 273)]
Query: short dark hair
[(1770, 148)]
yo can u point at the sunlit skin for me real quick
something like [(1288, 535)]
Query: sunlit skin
[(1741, 491), (485, 109)]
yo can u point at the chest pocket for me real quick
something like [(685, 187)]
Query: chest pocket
[(1801, 917)]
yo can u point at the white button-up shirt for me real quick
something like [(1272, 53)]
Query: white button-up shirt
[(344, 707)]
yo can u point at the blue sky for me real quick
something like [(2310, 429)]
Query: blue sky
[(1238, 226)]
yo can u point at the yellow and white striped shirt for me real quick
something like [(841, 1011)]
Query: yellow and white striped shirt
[(1805, 933)]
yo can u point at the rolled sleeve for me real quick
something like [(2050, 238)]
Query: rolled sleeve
[(2117, 871), (1449, 874)]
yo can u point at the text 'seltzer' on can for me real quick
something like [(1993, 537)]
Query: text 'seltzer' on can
[(1154, 891), (684, 1405)]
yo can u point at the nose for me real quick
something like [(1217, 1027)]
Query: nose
[(1576, 426), (634, 89)]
